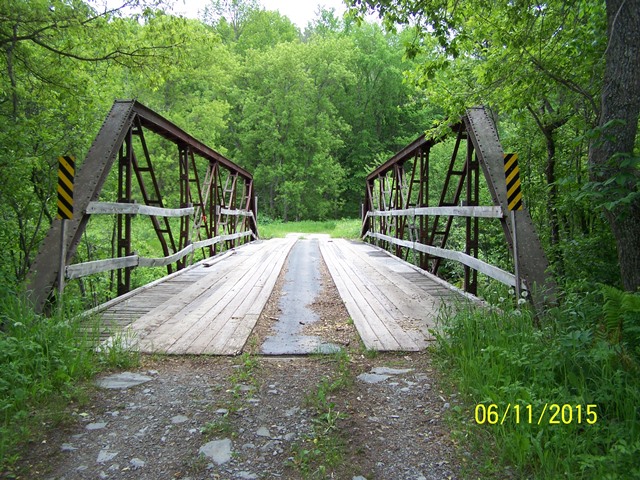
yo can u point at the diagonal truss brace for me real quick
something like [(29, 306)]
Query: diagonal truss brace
[(128, 119)]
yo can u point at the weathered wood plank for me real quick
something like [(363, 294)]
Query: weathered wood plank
[(244, 319), (188, 308), (411, 299), (373, 330), (215, 320), (137, 208), (462, 211), (381, 289)]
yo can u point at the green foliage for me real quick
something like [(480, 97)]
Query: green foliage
[(500, 358), (345, 228), (43, 361), (221, 426), (320, 453), (621, 323)]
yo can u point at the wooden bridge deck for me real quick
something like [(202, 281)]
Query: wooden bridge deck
[(392, 304), (212, 307)]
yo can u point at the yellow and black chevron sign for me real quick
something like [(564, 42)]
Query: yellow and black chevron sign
[(512, 174), (66, 173)]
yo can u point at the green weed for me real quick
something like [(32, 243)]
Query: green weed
[(578, 356), (345, 228), (323, 451), (43, 364), (221, 426)]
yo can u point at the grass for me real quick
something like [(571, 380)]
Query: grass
[(321, 453), (500, 362), (345, 228), (45, 364)]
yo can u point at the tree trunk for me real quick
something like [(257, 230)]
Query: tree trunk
[(620, 107)]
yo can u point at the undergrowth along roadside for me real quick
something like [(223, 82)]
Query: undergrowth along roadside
[(321, 453), (44, 363), (513, 374)]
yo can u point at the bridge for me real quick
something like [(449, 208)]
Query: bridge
[(220, 274)]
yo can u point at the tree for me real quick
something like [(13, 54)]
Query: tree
[(532, 55), (59, 71), (614, 157), (286, 128)]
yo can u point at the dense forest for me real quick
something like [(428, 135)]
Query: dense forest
[(309, 112)]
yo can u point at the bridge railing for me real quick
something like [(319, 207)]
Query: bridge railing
[(215, 206), (407, 212)]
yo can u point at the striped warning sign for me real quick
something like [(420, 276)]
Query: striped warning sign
[(512, 174), (66, 172)]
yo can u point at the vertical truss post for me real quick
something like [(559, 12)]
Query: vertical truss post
[(152, 196), (124, 220), (423, 201), (185, 196), (398, 203), (214, 205), (252, 206), (471, 248)]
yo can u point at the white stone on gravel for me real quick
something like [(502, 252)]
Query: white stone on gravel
[(263, 432), (246, 476), (137, 463), (372, 378), (122, 380), (218, 450), (179, 419), (292, 411), (96, 426), (359, 477), (390, 371), (67, 447), (105, 455)]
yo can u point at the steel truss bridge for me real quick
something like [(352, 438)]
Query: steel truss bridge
[(220, 274)]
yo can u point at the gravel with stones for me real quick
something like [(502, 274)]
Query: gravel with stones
[(242, 418)]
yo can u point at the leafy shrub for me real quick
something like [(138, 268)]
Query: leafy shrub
[(584, 353)]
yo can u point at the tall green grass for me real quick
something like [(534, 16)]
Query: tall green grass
[(578, 356), (345, 228), (43, 363)]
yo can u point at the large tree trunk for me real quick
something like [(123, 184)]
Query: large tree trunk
[(618, 124)]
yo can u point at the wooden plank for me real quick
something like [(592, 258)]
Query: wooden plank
[(388, 286), (466, 211), (387, 267), (238, 296), (183, 325), (189, 307), (472, 262), (172, 305), (391, 308), (136, 209), (244, 319), (403, 302), (97, 266), (199, 319), (374, 332), (237, 213), (418, 305)]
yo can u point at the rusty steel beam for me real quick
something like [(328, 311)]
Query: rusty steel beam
[(481, 151), (127, 120)]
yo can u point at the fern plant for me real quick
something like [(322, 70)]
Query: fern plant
[(621, 323)]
